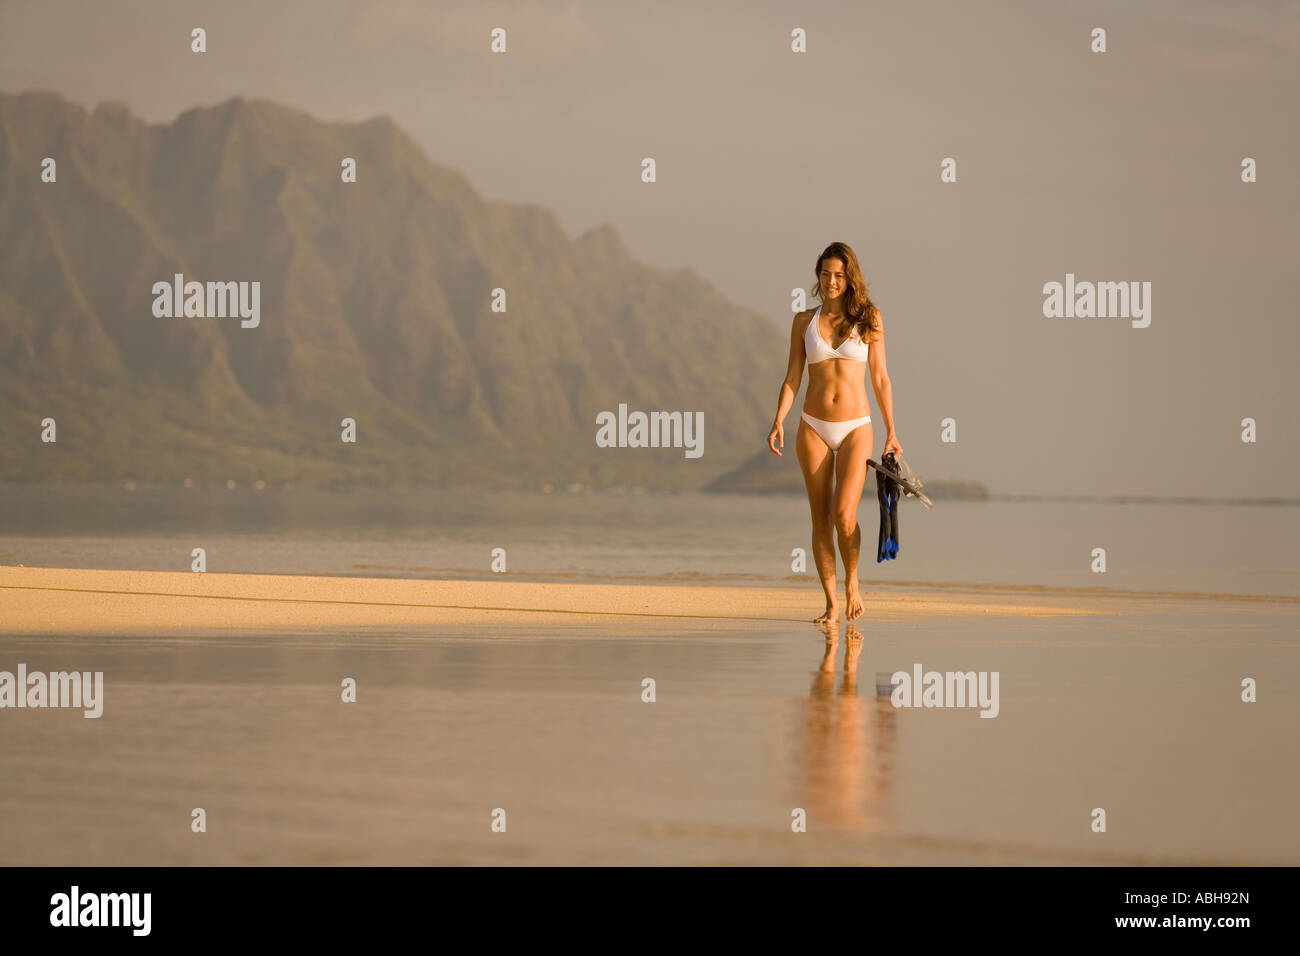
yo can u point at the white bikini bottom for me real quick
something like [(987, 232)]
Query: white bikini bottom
[(834, 433)]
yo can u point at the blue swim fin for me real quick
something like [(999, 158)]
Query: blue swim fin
[(892, 543), (887, 493)]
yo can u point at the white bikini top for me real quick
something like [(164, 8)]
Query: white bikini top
[(819, 349)]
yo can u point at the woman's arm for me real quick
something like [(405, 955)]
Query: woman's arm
[(790, 384), (884, 392)]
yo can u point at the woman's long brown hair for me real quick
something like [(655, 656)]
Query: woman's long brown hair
[(858, 307)]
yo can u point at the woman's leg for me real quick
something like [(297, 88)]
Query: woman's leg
[(817, 464), (850, 475)]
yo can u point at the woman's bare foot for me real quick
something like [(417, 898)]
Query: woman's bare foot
[(854, 601), (832, 615)]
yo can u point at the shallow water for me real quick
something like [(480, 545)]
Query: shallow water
[(1139, 714), (688, 538)]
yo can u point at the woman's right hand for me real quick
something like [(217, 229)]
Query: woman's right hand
[(776, 435)]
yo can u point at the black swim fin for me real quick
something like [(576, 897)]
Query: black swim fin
[(887, 493)]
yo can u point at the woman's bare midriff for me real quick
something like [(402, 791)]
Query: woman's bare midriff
[(837, 390)]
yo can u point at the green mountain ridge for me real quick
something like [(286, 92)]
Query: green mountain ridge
[(375, 305)]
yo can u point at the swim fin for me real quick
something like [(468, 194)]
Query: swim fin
[(887, 493)]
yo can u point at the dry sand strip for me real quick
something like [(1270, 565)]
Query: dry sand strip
[(63, 600)]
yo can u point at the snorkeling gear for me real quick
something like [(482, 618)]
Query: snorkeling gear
[(907, 481), (887, 493)]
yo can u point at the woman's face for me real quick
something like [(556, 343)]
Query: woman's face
[(832, 278)]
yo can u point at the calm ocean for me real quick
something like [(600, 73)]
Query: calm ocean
[(651, 538)]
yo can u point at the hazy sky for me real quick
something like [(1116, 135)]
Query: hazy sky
[(1115, 166)]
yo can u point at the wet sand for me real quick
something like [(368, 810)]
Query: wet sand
[(222, 691)]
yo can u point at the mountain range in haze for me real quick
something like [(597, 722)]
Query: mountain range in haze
[(375, 305)]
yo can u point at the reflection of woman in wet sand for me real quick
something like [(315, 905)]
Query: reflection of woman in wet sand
[(847, 753), (835, 437)]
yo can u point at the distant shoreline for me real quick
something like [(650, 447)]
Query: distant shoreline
[(937, 490), (1146, 499)]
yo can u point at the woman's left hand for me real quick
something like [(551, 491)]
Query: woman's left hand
[(891, 444)]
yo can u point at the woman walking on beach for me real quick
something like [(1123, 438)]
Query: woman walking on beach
[(834, 438)]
